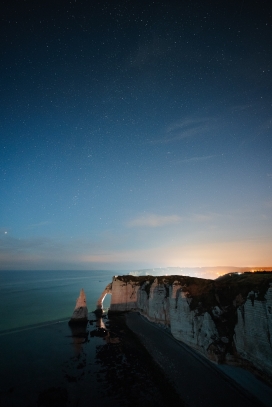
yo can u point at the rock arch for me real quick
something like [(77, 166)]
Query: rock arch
[(99, 304)]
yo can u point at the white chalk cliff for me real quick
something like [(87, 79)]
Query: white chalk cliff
[(80, 313), (228, 318), (253, 331)]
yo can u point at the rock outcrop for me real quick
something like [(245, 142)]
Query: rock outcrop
[(80, 314), (99, 304), (228, 319)]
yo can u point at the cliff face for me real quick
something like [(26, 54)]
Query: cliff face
[(253, 331), (225, 319), (196, 329), (124, 295)]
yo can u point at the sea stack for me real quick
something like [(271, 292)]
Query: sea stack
[(80, 314)]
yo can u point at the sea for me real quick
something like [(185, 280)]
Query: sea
[(44, 362), (40, 357)]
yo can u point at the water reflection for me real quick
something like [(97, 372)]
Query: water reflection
[(79, 335), (100, 323), (101, 330)]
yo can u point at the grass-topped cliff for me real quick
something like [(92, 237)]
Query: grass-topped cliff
[(225, 319), (220, 297), (209, 293)]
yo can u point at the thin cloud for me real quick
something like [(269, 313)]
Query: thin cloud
[(37, 253), (186, 129), (204, 217), (264, 128), (196, 159), (242, 253), (153, 221), (187, 123), (239, 108), (9, 243)]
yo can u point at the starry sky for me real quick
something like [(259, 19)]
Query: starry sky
[(135, 134)]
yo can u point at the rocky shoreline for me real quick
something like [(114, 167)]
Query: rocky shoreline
[(117, 360), (128, 371)]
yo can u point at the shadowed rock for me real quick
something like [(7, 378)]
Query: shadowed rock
[(99, 304), (53, 397), (80, 314)]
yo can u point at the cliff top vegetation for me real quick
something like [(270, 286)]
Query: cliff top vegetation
[(212, 292)]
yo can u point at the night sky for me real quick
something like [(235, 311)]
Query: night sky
[(135, 134)]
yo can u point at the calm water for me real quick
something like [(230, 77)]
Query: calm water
[(35, 297), (37, 349)]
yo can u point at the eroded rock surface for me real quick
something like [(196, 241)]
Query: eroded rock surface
[(99, 304), (253, 331), (228, 319), (80, 314)]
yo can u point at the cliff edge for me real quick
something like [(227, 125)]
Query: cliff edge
[(229, 320)]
